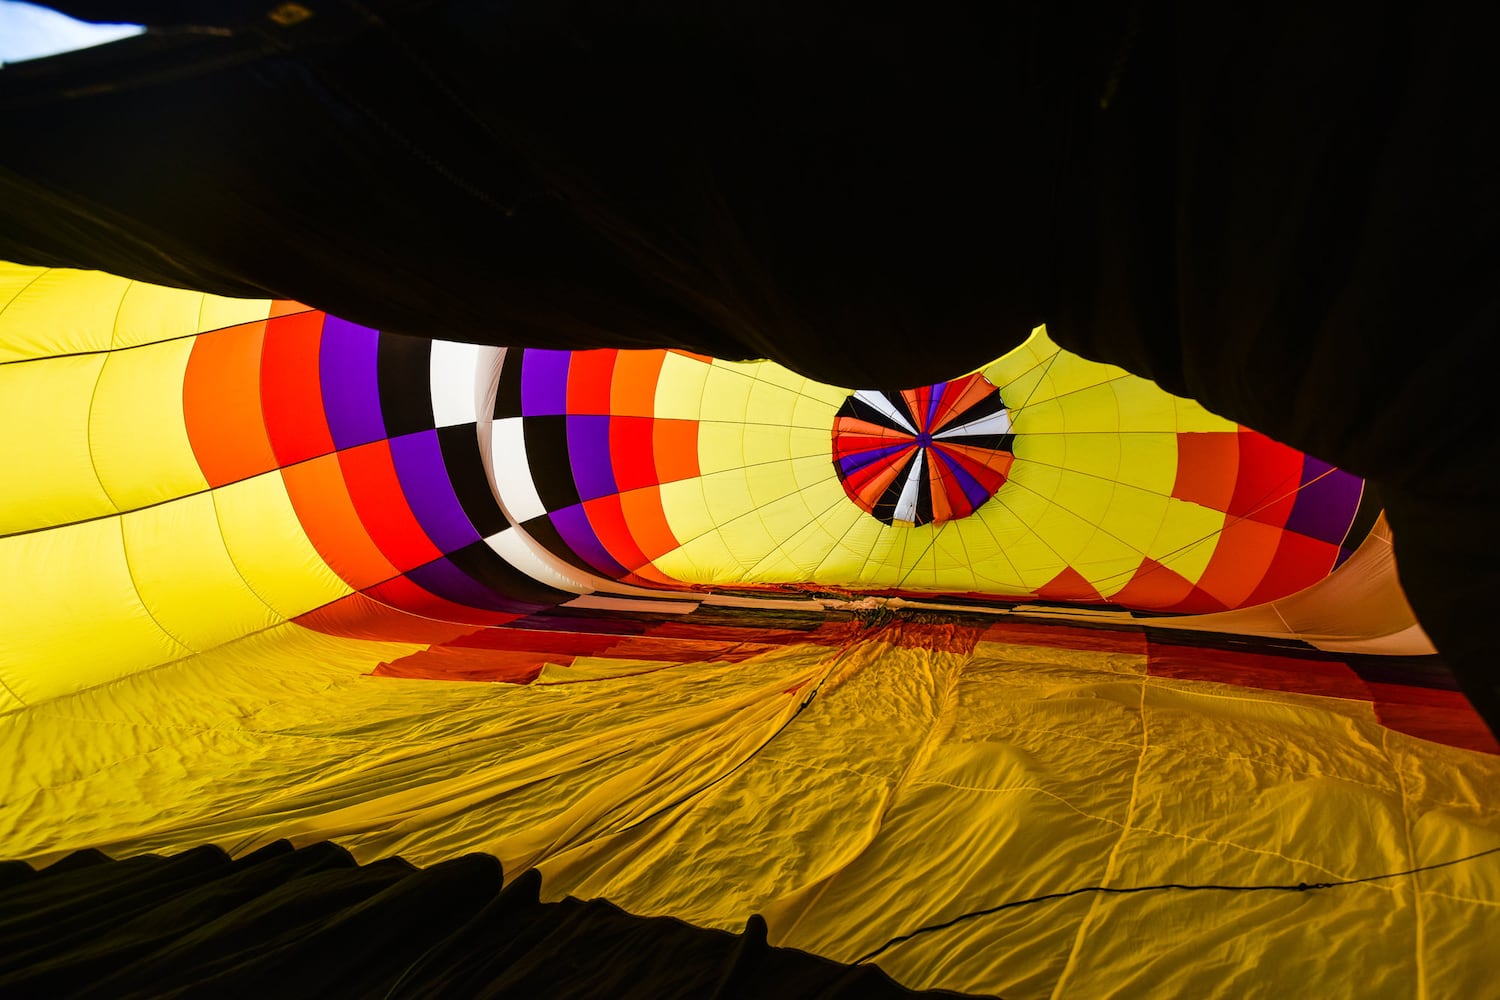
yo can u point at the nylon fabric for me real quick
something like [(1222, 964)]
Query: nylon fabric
[(929, 775)]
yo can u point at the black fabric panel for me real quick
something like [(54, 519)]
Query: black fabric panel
[(404, 372), (508, 391), (548, 462), (471, 484), (502, 579), (312, 923)]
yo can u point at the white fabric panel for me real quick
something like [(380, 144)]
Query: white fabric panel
[(511, 472), (995, 423), (885, 406), (906, 507), (512, 546), (458, 390)]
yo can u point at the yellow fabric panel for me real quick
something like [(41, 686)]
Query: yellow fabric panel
[(208, 734), (72, 615), (57, 311), (1187, 537), (185, 576), (152, 313), (915, 787), (53, 311), (726, 393), (679, 388), (269, 548), (217, 312), (137, 432), (427, 769), (44, 444)]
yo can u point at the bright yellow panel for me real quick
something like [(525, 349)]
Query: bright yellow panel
[(679, 388), (721, 446), (1187, 538), (726, 393), (217, 312), (58, 311), (152, 313), (185, 576), (270, 549), (72, 615), (44, 443), (137, 432)]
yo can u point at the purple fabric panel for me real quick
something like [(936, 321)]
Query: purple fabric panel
[(424, 479), (588, 454), (544, 383), (351, 387), (1325, 506), (853, 462), (572, 523)]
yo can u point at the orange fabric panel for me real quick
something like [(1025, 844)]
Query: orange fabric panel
[(1240, 561), (676, 447), (321, 498), (648, 522), (221, 405), (633, 393), (1207, 466)]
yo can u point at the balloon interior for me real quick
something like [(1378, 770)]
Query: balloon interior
[(710, 639)]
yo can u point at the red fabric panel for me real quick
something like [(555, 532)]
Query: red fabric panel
[(1266, 671), (359, 617), (607, 518), (1156, 587), (376, 491), (1266, 485), (290, 390), (1432, 714), (1299, 562), (1018, 632), (1069, 585), (632, 452), (589, 376)]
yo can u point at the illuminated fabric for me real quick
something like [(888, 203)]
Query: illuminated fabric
[(252, 548)]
